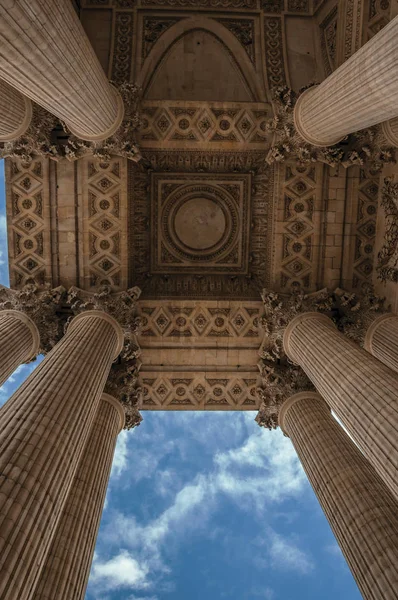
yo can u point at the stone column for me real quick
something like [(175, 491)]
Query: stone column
[(390, 130), (15, 113), (361, 92), (43, 430), (361, 510), (45, 54), (67, 567), (358, 388), (19, 341), (381, 340)]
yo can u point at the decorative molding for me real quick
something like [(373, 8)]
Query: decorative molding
[(299, 6), (368, 146), (123, 35), (220, 4), (201, 283), (195, 124), (328, 40), (153, 28), (364, 228), (378, 17), (208, 322), (351, 314), (28, 222), (274, 52), (123, 378), (278, 383), (243, 30), (387, 258), (297, 227), (272, 6), (41, 306), (47, 137), (104, 198), (188, 390)]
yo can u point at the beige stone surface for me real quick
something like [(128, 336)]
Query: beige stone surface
[(361, 510), (358, 388), (19, 341), (44, 427), (46, 55), (67, 566), (15, 112), (360, 93), (382, 340)]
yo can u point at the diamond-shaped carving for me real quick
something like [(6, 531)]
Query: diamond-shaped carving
[(163, 124), (371, 190), (27, 224), (30, 264), (106, 265), (245, 125), (104, 225), (162, 321), (299, 187), (199, 392), (103, 183), (366, 267), (162, 391), (205, 124), (298, 228), (296, 267), (200, 322), (368, 229), (27, 183)]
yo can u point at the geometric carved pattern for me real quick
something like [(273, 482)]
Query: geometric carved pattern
[(123, 36), (365, 228), (299, 198), (243, 30), (199, 391), (379, 16), (274, 55), (204, 123), (28, 222), (199, 320), (328, 41), (104, 205), (218, 169), (200, 222)]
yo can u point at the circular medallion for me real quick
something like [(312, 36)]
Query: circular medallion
[(199, 223)]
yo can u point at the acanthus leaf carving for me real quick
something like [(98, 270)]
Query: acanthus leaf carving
[(367, 146), (387, 266), (40, 304)]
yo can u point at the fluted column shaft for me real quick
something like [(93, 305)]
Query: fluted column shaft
[(361, 510), (46, 55), (361, 92), (382, 340), (358, 388), (67, 567), (43, 430), (15, 113), (19, 341)]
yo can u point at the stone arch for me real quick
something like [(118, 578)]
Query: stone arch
[(176, 33)]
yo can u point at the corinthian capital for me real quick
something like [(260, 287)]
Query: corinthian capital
[(368, 146), (278, 384), (122, 381), (41, 305)]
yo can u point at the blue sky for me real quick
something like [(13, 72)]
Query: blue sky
[(207, 506)]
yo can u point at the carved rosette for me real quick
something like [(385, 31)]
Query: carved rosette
[(387, 264), (368, 146), (40, 305), (122, 382), (47, 136)]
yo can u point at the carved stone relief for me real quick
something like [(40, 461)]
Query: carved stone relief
[(379, 16), (387, 264), (198, 274), (274, 52), (104, 222), (204, 124), (123, 35), (328, 41), (297, 226), (187, 390), (179, 322), (29, 225)]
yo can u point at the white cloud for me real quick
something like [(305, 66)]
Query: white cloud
[(120, 461), (285, 555), (120, 571)]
